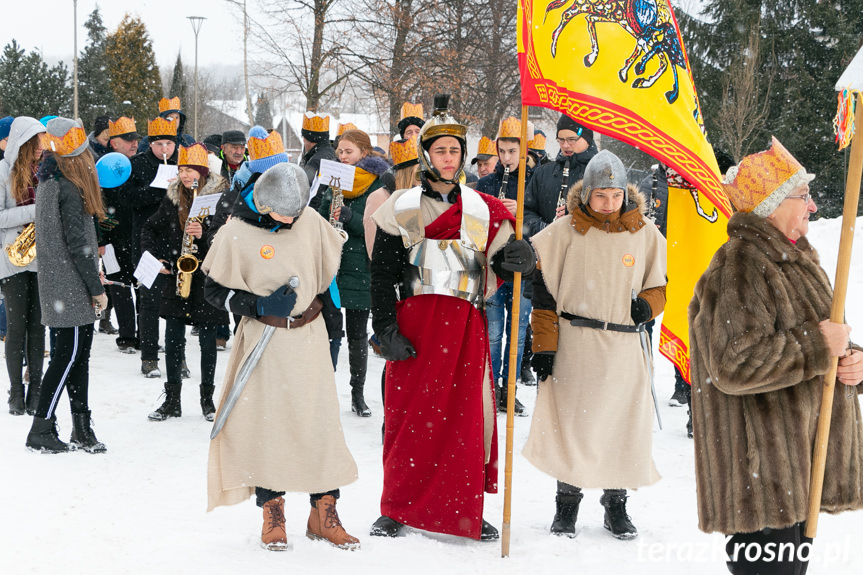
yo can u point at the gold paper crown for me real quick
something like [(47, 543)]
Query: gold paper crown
[(316, 123), (761, 181), (123, 125), (345, 127), (509, 128), (161, 127), (402, 152), (166, 104), (194, 155), (537, 143), (66, 144), (487, 147), (411, 111), (265, 148)]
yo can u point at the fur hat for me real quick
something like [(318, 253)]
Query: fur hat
[(604, 170), (283, 189), (65, 137)]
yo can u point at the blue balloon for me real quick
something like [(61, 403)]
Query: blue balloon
[(113, 170)]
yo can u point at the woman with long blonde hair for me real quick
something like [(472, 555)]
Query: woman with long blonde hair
[(68, 201), (25, 337)]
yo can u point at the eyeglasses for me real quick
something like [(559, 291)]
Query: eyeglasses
[(805, 197), (570, 141)]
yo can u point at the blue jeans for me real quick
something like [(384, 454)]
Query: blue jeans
[(494, 310)]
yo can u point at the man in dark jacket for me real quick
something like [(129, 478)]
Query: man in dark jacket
[(232, 154), (316, 147), (548, 186)]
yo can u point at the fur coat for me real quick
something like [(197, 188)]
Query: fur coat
[(758, 359)]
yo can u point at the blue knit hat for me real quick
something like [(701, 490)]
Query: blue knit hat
[(265, 150), (5, 126)]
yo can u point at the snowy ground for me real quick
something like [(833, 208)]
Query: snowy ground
[(140, 508)]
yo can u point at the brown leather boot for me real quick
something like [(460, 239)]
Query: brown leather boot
[(273, 535), (324, 524)]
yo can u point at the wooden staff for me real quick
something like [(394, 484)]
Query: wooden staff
[(837, 314), (513, 345)]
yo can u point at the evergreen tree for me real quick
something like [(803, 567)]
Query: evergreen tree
[(29, 87), (133, 70), (179, 86), (263, 115), (95, 97)]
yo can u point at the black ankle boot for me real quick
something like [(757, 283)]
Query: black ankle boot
[(43, 436), (385, 527), (83, 436), (207, 407), (171, 406), (489, 532), (616, 519), (16, 399), (358, 355), (566, 514), (501, 400)]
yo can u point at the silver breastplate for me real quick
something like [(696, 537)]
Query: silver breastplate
[(445, 267)]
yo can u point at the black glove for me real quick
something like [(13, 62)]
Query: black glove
[(346, 214), (543, 364), (279, 303), (518, 256), (640, 310), (395, 346)]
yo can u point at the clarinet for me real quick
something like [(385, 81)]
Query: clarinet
[(651, 207), (501, 195), (561, 196)]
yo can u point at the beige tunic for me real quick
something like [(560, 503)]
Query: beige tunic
[(592, 426), (284, 433)]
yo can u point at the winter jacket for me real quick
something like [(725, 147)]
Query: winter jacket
[(227, 172), (97, 149), (655, 188), (541, 194), (13, 217), (354, 277), (162, 236), (120, 236), (491, 183), (143, 199), (66, 240), (757, 359), (311, 163)]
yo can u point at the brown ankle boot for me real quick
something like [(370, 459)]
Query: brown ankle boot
[(324, 524), (273, 535)]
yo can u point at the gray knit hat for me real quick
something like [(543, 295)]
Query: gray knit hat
[(62, 138), (605, 170), (284, 189)]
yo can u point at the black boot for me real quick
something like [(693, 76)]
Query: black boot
[(207, 407), (689, 423), (527, 377), (501, 400), (83, 436), (385, 527), (43, 437), (616, 519), (489, 532), (33, 395), (16, 399), (358, 355), (171, 405), (566, 514)]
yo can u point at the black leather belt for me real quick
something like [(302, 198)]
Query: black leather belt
[(578, 321)]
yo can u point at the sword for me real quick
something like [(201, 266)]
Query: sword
[(645, 346), (245, 372)]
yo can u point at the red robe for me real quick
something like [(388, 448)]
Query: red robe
[(434, 454)]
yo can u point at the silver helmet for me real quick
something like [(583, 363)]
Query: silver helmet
[(441, 124)]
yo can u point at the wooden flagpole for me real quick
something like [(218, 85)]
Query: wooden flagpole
[(513, 345), (837, 314)]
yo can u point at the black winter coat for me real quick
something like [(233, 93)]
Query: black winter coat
[(311, 163), (162, 236), (120, 236), (541, 194), (491, 183), (137, 194), (655, 188)]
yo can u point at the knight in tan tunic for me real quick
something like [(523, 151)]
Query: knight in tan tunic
[(600, 278), (284, 433)]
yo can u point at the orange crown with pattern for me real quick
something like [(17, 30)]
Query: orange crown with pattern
[(345, 127), (411, 111), (315, 122), (194, 155), (264, 148), (537, 143), (70, 143), (166, 104), (123, 125), (761, 181), (486, 147), (162, 127), (509, 128), (404, 152)]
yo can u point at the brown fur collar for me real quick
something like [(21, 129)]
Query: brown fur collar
[(751, 228), (215, 184), (631, 220)]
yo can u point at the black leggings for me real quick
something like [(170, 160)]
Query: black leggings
[(175, 350), (69, 368), (24, 331), (356, 324)]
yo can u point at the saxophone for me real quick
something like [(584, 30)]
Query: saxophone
[(504, 181), (23, 250), (187, 263), (337, 202)]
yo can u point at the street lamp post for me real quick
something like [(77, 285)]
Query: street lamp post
[(197, 22)]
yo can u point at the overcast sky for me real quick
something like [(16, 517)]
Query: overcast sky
[(47, 26)]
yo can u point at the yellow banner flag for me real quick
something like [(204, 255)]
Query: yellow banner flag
[(620, 68)]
